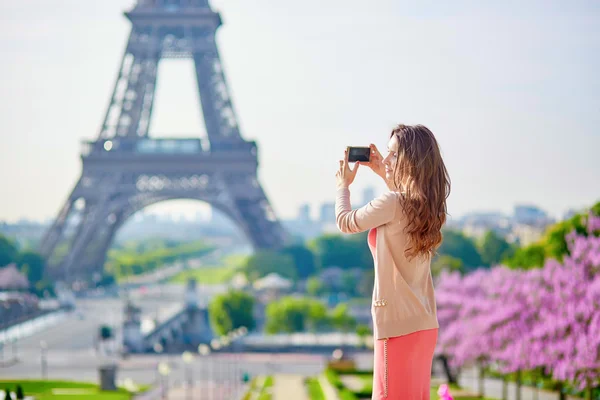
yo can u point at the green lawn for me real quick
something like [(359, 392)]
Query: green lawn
[(265, 393), (206, 275), (315, 392), (63, 390), (367, 380), (268, 382), (212, 274)]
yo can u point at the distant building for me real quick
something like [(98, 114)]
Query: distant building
[(368, 194), (23, 232), (477, 224), (327, 215), (304, 213), (524, 235), (527, 224), (303, 229), (531, 215)]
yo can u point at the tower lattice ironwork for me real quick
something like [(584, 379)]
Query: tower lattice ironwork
[(125, 170)]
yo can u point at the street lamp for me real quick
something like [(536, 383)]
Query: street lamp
[(216, 346), (233, 335), (204, 351), (164, 370), (226, 364), (44, 358), (187, 360)]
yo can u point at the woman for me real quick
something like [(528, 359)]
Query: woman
[(404, 227)]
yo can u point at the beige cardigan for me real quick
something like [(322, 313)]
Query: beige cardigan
[(403, 295)]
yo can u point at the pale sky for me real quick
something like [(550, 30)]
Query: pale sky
[(510, 89)]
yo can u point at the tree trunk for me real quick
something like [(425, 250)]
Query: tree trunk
[(536, 390), (481, 379), (518, 382), (561, 394), (449, 376), (504, 388), (589, 391)]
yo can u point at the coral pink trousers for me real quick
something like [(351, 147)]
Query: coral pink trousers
[(402, 366)]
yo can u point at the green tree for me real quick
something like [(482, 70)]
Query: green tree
[(19, 392), (553, 244), (364, 287), (317, 318), (349, 281), (359, 242), (287, 315), (345, 252), (529, 257), (341, 319), (106, 279), (231, 310), (264, 262), (493, 248), (33, 265), (292, 314), (314, 286), (363, 331), (595, 209), (457, 245), (450, 263), (8, 251), (137, 258), (304, 259), (44, 288)]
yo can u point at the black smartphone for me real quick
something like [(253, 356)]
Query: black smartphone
[(359, 154)]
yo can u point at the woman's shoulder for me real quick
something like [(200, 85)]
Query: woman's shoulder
[(394, 199), (388, 202), (392, 196)]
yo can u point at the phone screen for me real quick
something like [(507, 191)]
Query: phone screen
[(359, 154)]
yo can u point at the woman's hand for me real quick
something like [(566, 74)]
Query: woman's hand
[(345, 176), (375, 162)]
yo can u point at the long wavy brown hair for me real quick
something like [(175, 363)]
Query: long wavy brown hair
[(421, 174)]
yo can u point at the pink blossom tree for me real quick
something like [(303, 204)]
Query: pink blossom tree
[(545, 318)]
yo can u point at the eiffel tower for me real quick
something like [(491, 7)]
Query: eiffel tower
[(124, 170)]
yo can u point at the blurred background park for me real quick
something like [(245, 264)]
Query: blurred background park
[(167, 224)]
